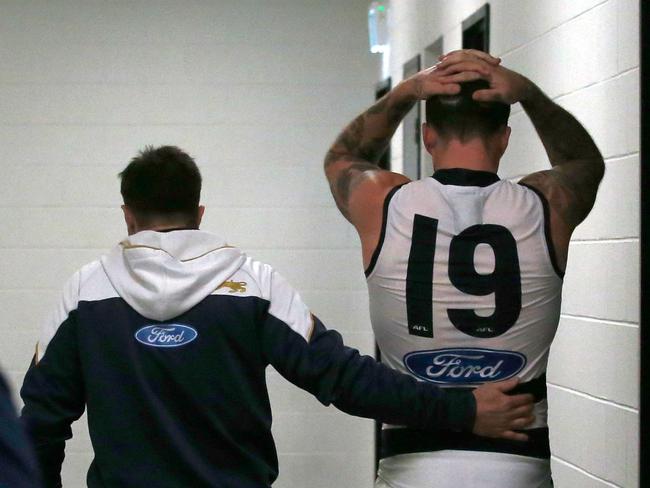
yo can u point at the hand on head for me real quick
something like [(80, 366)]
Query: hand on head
[(435, 81), (429, 82), (506, 86)]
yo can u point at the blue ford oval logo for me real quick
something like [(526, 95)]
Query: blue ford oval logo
[(464, 365), (166, 335)]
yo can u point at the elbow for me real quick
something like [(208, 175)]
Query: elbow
[(331, 157), (327, 162), (331, 168)]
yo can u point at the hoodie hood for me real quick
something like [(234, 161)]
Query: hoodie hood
[(164, 274)]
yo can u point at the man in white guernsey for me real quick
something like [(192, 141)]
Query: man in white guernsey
[(465, 270)]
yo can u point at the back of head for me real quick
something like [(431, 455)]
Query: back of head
[(162, 184), (462, 117)]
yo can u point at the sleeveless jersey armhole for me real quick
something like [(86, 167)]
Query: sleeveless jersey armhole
[(382, 234), (547, 229)]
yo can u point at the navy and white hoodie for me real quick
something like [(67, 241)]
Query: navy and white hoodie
[(166, 340)]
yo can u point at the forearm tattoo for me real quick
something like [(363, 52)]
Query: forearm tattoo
[(564, 138), (361, 145), (578, 165)]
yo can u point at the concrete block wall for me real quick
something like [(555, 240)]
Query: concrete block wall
[(585, 55), (255, 91)]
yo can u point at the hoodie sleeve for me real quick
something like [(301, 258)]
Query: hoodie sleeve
[(17, 463), (315, 359), (53, 390)]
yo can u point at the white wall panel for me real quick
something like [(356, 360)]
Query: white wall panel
[(610, 111), (566, 475), (574, 55), (628, 17), (351, 470), (600, 437), (600, 280), (534, 19), (262, 144), (616, 211), (597, 357)]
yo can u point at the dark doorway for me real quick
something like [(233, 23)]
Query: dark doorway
[(432, 52), (476, 30), (381, 88)]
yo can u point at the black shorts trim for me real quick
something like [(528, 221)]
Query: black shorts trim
[(547, 229), (536, 387), (407, 441), (382, 234)]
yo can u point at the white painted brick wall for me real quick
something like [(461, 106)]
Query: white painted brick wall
[(609, 268), (575, 54), (534, 19), (567, 474), (599, 437), (585, 54), (612, 202), (594, 356), (628, 34), (255, 91)]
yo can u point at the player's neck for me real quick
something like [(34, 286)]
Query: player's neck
[(472, 155)]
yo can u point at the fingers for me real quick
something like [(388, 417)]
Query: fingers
[(459, 54), (487, 96), (506, 385), (521, 400), (514, 436), (437, 86), (441, 89), (522, 422), (462, 77), (523, 411), (448, 88), (471, 65)]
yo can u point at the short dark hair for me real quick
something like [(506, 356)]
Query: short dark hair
[(161, 182), (463, 117)]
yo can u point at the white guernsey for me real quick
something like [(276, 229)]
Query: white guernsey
[(461, 295)]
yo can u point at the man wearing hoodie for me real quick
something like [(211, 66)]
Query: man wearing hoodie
[(166, 340)]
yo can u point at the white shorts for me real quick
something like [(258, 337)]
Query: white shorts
[(466, 469)]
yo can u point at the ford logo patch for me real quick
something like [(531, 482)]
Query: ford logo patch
[(464, 365), (166, 335)]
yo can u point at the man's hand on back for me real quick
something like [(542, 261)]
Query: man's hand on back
[(499, 414)]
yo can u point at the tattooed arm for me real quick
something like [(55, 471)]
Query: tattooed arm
[(577, 163), (358, 185), (577, 166), (355, 153)]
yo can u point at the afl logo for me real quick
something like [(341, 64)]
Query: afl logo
[(464, 366), (166, 335)]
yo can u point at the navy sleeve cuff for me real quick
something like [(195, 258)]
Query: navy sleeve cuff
[(459, 409)]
